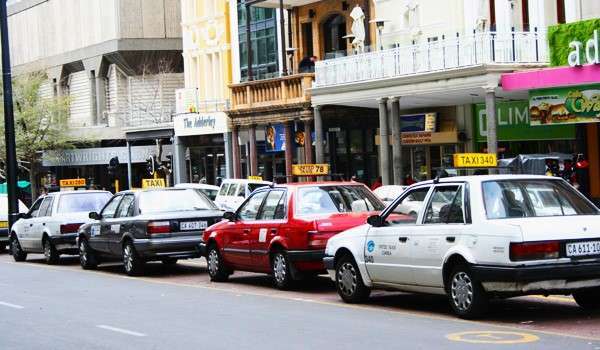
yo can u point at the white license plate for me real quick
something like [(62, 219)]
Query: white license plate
[(193, 225), (583, 248)]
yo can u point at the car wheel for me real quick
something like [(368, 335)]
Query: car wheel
[(349, 282), (169, 261), (50, 253), (282, 276), (87, 258), (467, 297), (217, 271), (588, 299), (16, 251), (132, 262)]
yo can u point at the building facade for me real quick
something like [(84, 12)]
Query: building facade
[(119, 61)]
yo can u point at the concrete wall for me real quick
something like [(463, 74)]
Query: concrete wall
[(54, 27)]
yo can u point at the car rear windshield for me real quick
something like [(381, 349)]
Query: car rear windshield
[(82, 202), (533, 198), (159, 201), (336, 199)]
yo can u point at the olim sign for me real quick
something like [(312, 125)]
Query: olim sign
[(591, 51)]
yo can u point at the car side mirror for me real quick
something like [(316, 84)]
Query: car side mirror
[(95, 216), (375, 220), (230, 216), (23, 216)]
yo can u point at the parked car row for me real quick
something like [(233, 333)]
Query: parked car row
[(469, 238)]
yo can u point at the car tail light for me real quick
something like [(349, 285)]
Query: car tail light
[(155, 227), (69, 228), (534, 250)]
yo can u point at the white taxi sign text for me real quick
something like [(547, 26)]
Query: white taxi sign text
[(475, 160), (310, 169), (153, 183)]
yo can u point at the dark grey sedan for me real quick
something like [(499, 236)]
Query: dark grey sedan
[(148, 225)]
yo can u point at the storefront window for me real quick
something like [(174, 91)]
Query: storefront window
[(264, 42)]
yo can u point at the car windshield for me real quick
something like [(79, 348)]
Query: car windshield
[(533, 198), (158, 201), (82, 202), (336, 199)]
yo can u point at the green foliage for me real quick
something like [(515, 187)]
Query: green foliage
[(41, 123), (559, 37)]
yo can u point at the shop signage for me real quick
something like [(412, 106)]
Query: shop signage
[(426, 138), (475, 160), (255, 178), (186, 100), (100, 156), (275, 138), (200, 124), (153, 183), (580, 104), (591, 51), (310, 169), (72, 183), (418, 122), (513, 124)]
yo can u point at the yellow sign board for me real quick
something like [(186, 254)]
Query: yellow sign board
[(255, 178), (310, 169), (72, 183), (475, 160), (3, 224), (153, 183)]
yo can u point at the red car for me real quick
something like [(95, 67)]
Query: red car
[(283, 230)]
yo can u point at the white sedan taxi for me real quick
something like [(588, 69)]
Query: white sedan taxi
[(473, 238)]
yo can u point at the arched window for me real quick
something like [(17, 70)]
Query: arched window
[(334, 30)]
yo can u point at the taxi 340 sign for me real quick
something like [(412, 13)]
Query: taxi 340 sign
[(475, 160)]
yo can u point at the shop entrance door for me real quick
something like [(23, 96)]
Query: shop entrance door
[(424, 162), (206, 164)]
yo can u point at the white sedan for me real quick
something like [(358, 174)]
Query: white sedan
[(51, 225), (476, 237)]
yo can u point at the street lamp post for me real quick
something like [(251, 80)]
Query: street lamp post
[(9, 120)]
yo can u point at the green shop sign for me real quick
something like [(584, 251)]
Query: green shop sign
[(568, 105), (574, 43), (513, 124)]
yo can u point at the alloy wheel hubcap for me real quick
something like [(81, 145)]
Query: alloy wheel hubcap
[(279, 268), (128, 257), (47, 250), (82, 253), (347, 278), (15, 247), (462, 291), (213, 262)]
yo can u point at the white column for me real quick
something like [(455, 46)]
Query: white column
[(179, 173), (384, 142), (572, 11), (492, 121), (504, 16)]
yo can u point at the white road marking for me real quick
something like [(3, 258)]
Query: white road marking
[(14, 306), (121, 330)]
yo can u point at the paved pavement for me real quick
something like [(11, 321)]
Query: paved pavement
[(64, 307)]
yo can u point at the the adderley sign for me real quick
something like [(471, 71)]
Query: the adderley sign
[(590, 51), (200, 124), (100, 155)]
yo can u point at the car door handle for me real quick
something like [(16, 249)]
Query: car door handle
[(403, 239), (450, 239), (246, 230), (30, 225), (44, 224), (273, 231)]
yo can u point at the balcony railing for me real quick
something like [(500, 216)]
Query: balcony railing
[(449, 53), (284, 90)]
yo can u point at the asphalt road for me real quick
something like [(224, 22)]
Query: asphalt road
[(64, 307)]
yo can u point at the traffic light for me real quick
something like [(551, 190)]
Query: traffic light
[(169, 163), (113, 164), (150, 165)]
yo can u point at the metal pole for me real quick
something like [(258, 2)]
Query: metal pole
[(319, 152), (129, 181), (384, 142), (249, 42), (9, 120), (283, 48)]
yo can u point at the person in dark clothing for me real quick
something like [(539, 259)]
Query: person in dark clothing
[(307, 65)]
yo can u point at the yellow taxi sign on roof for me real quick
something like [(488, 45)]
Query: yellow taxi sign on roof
[(72, 183), (153, 183), (475, 160), (310, 169), (255, 178)]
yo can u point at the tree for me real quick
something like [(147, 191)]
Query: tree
[(41, 124)]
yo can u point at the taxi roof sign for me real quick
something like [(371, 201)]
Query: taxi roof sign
[(310, 169), (153, 183), (72, 183), (475, 160)]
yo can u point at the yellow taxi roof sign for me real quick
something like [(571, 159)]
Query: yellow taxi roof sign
[(475, 160), (310, 169), (153, 183), (72, 183)]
